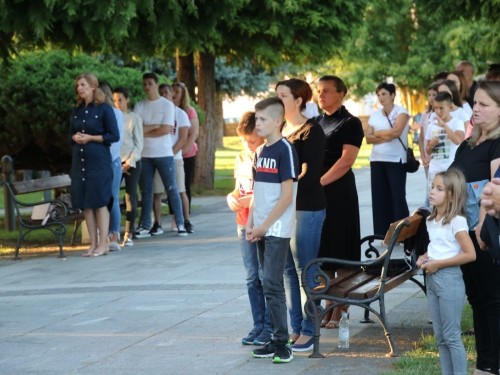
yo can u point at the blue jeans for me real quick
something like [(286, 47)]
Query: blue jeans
[(115, 216), (166, 169), (303, 248), (250, 257), (272, 257)]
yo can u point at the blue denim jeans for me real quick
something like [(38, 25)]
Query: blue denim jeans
[(272, 257), (114, 215), (303, 248), (166, 168), (253, 270)]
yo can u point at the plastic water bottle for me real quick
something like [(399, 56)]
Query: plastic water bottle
[(344, 331)]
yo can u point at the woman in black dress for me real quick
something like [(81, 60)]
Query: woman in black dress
[(344, 135), (92, 130)]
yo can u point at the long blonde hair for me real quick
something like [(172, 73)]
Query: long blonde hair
[(92, 81), (456, 195), (492, 89), (185, 101)]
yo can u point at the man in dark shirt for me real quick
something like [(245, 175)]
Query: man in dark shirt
[(468, 70)]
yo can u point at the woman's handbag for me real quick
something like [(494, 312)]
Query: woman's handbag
[(412, 164)]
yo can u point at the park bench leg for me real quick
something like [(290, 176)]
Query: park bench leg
[(315, 312), (77, 224), (19, 242), (60, 235), (366, 317), (383, 320)]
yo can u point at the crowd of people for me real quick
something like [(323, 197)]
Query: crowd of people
[(152, 147), (295, 194)]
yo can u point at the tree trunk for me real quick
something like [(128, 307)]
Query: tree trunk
[(185, 72), (219, 121), (205, 161)]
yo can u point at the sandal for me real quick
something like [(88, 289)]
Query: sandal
[(332, 324), (88, 253), (100, 253), (327, 317)]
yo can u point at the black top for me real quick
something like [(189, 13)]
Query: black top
[(309, 142), (340, 128), (475, 162), (472, 91)]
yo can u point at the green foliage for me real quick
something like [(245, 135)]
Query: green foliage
[(36, 98)]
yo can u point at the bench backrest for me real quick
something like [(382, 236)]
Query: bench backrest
[(407, 230), (41, 184)]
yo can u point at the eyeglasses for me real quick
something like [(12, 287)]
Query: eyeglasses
[(494, 67)]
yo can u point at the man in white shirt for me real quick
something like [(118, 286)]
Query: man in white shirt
[(157, 115)]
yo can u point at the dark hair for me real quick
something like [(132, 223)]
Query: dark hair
[(493, 73), (386, 86), (271, 102), (299, 89), (443, 97), (441, 75), (464, 88), (151, 75), (163, 85), (337, 82), (122, 90), (247, 123), (454, 91)]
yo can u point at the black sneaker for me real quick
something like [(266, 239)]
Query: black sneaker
[(248, 339), (267, 351), (181, 231), (189, 227), (283, 354), (156, 230)]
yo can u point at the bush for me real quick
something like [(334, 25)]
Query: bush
[(36, 98)]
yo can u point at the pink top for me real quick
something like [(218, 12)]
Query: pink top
[(191, 112)]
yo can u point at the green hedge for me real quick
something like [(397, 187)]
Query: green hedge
[(36, 98)]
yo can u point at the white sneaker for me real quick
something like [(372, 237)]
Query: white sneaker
[(142, 233), (127, 241), (182, 232)]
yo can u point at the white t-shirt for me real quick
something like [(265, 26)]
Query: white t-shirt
[(157, 112), (466, 107), (181, 120), (311, 110), (443, 244), (391, 151), (444, 153)]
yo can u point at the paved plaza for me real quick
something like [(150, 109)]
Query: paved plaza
[(168, 305)]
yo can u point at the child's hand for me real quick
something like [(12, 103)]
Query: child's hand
[(421, 260), (255, 234), (233, 203), (430, 266), (244, 202), (477, 230), (434, 142), (440, 122)]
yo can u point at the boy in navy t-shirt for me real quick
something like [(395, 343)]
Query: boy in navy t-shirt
[(271, 220)]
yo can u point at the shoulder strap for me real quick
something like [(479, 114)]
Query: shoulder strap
[(390, 123)]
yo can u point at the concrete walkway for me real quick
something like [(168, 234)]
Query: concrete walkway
[(168, 305)]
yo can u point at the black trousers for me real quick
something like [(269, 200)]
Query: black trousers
[(388, 194), (189, 164), (482, 286)]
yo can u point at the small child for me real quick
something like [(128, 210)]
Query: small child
[(239, 202), (450, 246), (271, 219), (443, 136)]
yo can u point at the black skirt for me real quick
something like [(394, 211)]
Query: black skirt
[(341, 229)]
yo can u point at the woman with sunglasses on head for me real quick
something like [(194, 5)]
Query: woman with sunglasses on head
[(181, 99)]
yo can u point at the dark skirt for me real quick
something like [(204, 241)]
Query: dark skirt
[(91, 176), (341, 229)]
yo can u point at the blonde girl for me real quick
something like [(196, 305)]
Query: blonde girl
[(450, 246)]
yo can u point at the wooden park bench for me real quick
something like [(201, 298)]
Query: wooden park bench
[(58, 215), (362, 283)]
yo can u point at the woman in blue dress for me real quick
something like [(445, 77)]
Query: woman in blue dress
[(92, 130)]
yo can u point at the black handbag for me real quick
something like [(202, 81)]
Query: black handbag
[(412, 163)]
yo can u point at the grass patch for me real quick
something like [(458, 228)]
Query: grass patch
[(424, 359)]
